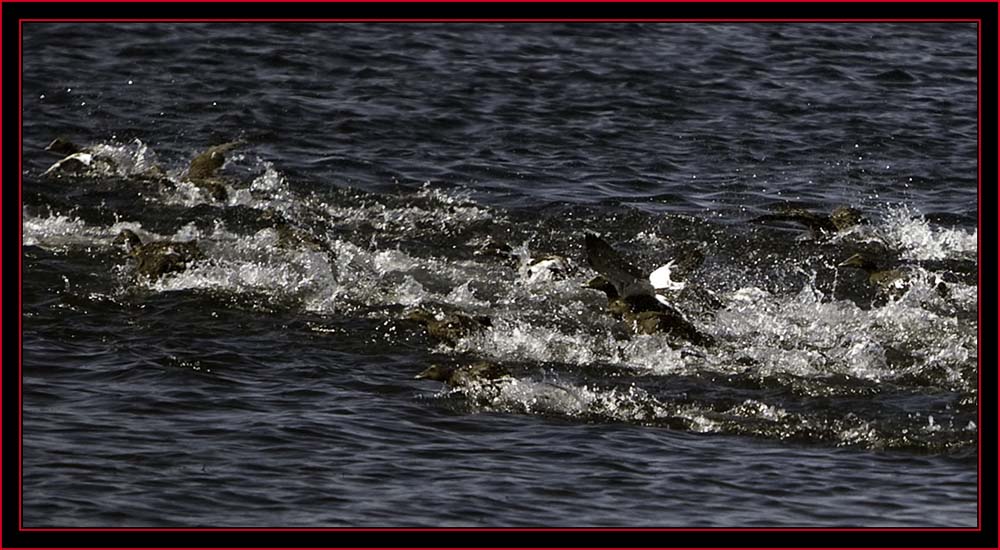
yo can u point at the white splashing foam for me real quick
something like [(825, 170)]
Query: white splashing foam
[(807, 336), (187, 194), (56, 230), (631, 403), (511, 340), (129, 159), (238, 263), (514, 340), (906, 229), (396, 219), (463, 296)]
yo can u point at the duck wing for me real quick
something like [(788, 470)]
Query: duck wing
[(625, 277)]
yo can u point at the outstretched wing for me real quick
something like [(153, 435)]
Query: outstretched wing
[(609, 263), (628, 281)]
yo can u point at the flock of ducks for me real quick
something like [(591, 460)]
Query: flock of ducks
[(644, 303)]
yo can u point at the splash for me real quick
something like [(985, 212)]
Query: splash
[(905, 229)]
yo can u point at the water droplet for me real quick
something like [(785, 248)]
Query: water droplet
[(129, 82), (69, 90), (41, 96)]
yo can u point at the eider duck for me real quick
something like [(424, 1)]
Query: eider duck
[(204, 168), (449, 327), (464, 376), (78, 160), (664, 319), (641, 302), (155, 259), (202, 171), (820, 225), (889, 282)]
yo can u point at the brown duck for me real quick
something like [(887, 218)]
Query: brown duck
[(156, 259), (464, 376), (634, 299), (203, 171), (841, 219), (449, 327), (889, 282)]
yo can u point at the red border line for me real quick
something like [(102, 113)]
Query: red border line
[(495, 1), (512, 20)]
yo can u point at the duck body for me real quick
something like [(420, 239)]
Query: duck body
[(203, 171), (840, 219), (465, 376), (891, 283), (155, 259), (206, 164), (449, 327)]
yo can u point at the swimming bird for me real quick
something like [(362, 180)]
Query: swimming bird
[(840, 219), (640, 301), (204, 168), (158, 258), (464, 376), (890, 282), (77, 160), (202, 172), (449, 327)]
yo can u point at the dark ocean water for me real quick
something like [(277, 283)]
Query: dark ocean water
[(422, 166)]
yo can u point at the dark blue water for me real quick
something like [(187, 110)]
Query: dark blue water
[(391, 167)]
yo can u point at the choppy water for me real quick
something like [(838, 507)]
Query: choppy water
[(423, 165)]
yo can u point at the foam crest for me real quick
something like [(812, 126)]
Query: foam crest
[(56, 230), (628, 404), (463, 296), (429, 211), (807, 335), (187, 194), (801, 334), (521, 341), (906, 229), (238, 264)]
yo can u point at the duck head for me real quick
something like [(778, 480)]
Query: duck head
[(63, 147), (436, 372)]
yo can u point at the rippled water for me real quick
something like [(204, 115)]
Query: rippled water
[(394, 167)]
